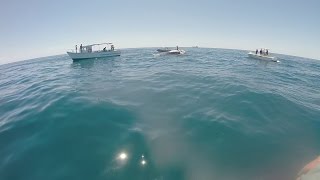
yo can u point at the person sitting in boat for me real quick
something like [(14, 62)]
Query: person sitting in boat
[(104, 49)]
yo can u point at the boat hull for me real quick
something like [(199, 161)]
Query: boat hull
[(176, 52), (163, 50), (93, 55), (261, 57)]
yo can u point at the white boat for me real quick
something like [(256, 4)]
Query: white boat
[(262, 57), (171, 51), (179, 51), (94, 51), (164, 50)]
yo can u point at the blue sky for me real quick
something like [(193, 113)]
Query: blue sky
[(37, 28)]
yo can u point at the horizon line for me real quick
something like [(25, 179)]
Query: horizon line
[(203, 47)]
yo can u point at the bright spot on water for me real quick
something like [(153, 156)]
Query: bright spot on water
[(143, 162), (123, 156)]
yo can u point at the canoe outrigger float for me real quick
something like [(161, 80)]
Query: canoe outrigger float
[(262, 57), (91, 51)]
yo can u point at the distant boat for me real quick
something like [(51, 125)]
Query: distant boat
[(262, 57), (164, 50), (171, 51), (179, 51), (195, 46), (86, 52)]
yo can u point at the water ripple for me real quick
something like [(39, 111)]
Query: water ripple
[(207, 114)]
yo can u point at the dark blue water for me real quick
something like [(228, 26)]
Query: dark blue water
[(208, 114)]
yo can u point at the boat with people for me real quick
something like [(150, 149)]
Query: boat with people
[(176, 51), (263, 54), (163, 49), (94, 51)]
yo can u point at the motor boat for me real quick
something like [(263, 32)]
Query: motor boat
[(179, 51), (164, 50), (93, 51), (262, 57)]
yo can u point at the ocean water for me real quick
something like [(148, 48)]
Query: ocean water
[(208, 114)]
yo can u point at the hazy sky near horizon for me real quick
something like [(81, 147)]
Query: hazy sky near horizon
[(36, 28)]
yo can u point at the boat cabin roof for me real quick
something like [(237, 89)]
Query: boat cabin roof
[(98, 44)]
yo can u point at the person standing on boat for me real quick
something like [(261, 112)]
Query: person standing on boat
[(257, 51), (76, 48), (267, 52), (260, 51), (81, 48), (177, 48)]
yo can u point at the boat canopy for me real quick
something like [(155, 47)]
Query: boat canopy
[(97, 44), (96, 47)]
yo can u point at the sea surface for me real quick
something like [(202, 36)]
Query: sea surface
[(207, 114)]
